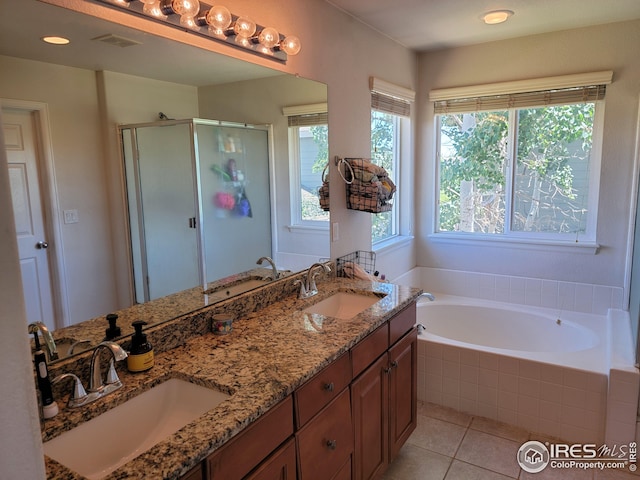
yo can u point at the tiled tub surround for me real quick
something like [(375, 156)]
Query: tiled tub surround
[(270, 352), (535, 292), (587, 395)]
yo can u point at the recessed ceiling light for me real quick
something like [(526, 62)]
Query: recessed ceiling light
[(496, 16), (56, 40)]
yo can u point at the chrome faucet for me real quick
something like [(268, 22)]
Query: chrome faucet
[(49, 343), (274, 270), (112, 382), (308, 287), (428, 295), (98, 387)]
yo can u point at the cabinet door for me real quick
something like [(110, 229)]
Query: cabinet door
[(403, 360), (326, 442), (244, 452), (281, 465), (370, 406), (195, 473)]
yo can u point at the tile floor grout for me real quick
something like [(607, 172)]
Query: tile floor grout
[(451, 445)]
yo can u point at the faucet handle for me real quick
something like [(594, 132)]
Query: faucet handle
[(79, 396), (303, 289), (112, 375)]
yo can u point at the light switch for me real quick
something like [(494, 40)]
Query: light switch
[(336, 232), (71, 216)]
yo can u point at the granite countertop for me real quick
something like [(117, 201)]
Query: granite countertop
[(269, 353)]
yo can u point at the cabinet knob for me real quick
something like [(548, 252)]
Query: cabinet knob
[(332, 444), (394, 364), (329, 387), (386, 370)]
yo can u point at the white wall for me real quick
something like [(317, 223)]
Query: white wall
[(608, 47), (71, 96), (20, 449)]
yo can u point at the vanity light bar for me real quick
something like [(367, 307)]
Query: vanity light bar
[(215, 23)]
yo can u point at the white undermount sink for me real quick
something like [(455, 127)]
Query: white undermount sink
[(98, 447), (342, 305), (224, 292)]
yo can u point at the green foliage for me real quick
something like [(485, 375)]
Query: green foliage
[(475, 152), (321, 138), (383, 128)]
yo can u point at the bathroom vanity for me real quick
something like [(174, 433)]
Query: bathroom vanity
[(311, 396)]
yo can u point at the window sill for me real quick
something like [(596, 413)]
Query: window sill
[(525, 243), (391, 244), (312, 229)]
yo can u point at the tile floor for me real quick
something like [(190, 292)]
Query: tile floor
[(450, 445)]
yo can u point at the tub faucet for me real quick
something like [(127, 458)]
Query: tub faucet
[(112, 382), (428, 295), (49, 343), (274, 270)]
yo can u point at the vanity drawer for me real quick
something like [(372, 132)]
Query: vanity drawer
[(402, 323), (326, 442), (366, 351), (244, 452), (311, 397)]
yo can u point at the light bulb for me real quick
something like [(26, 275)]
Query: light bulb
[(187, 21), (153, 9), (244, 27), (219, 18), (269, 37), (290, 45), (189, 8)]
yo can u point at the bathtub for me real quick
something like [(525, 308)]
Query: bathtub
[(545, 370)]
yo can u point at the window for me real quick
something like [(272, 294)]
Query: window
[(390, 112), (384, 152), (308, 151), (521, 165)]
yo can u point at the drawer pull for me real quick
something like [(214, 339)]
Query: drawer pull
[(332, 444), (329, 387)]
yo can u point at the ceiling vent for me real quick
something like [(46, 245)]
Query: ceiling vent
[(116, 40)]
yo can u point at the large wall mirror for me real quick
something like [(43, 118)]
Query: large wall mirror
[(109, 75)]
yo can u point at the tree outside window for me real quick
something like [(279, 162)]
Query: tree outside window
[(384, 134), (548, 149)]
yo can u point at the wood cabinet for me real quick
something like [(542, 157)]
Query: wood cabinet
[(347, 422), (325, 444), (243, 453), (384, 400), (403, 392), (281, 465)]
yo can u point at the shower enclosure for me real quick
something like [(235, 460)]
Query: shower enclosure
[(199, 201)]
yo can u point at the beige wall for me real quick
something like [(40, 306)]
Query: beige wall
[(608, 47), (337, 50)]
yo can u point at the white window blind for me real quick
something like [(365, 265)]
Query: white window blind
[(307, 115), (522, 94), (389, 98)]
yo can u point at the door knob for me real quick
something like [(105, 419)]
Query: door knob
[(41, 245)]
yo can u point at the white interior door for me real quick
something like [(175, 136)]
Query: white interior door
[(22, 151)]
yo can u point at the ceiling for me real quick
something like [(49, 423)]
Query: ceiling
[(30, 20), (418, 24), (423, 25)]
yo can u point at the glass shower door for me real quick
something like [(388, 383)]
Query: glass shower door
[(166, 253)]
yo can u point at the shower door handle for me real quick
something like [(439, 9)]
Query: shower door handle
[(192, 222)]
